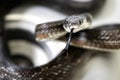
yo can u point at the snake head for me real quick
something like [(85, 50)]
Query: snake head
[(77, 22)]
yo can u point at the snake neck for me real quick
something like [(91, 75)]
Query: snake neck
[(50, 30)]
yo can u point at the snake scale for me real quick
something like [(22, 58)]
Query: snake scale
[(61, 68)]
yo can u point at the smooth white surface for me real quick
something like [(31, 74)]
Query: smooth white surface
[(35, 53), (27, 17), (109, 14)]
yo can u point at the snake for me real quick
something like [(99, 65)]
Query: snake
[(61, 68), (102, 38), (54, 69)]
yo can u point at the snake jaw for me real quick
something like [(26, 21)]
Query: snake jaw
[(77, 22)]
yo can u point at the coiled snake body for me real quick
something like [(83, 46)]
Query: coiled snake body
[(61, 68), (55, 69)]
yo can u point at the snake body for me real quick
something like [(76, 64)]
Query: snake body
[(55, 69), (54, 30), (106, 37), (61, 68)]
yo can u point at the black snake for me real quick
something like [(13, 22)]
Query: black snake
[(54, 69), (61, 68)]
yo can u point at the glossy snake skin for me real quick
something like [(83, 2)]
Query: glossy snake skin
[(61, 68), (107, 37)]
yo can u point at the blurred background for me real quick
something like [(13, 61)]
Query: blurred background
[(26, 14)]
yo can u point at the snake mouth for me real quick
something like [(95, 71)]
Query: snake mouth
[(77, 22)]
